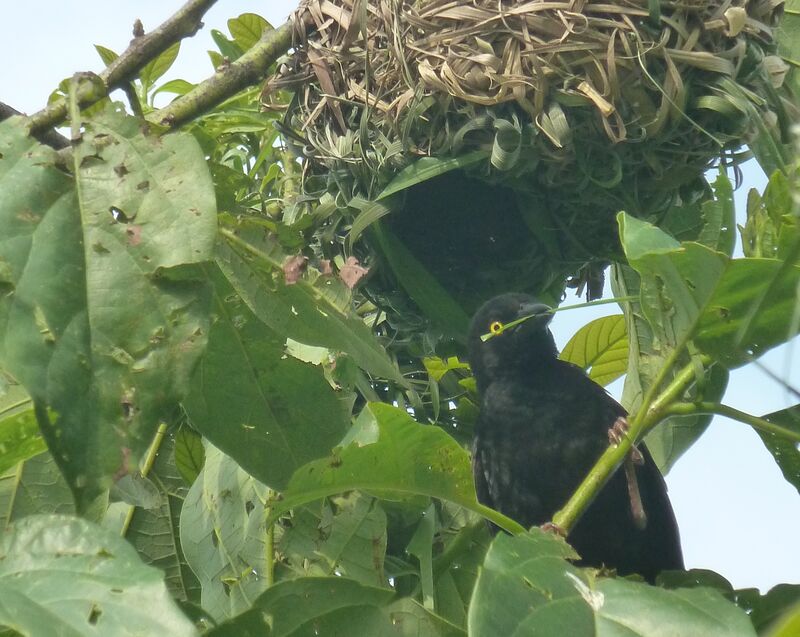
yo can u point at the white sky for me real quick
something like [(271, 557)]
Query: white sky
[(737, 514)]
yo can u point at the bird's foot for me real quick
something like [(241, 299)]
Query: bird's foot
[(637, 507), (549, 527), (618, 432)]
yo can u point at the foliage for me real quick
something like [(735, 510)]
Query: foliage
[(270, 405)]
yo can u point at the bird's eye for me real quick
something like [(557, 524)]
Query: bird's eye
[(495, 327)]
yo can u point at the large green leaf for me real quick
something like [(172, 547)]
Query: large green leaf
[(601, 348), (31, 487), (699, 299), (646, 357), (344, 536), (334, 606), (270, 412), (154, 531), (222, 535), (314, 312), (389, 453), (107, 315), (65, 576), (733, 309), (527, 588)]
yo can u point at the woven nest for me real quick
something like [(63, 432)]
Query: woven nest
[(580, 94), (582, 107)]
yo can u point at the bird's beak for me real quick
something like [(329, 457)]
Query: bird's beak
[(542, 312)]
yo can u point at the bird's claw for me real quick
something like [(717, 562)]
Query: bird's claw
[(618, 432)]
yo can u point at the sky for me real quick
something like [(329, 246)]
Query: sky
[(736, 513)]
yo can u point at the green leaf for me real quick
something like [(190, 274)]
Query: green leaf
[(526, 587), (189, 454), (66, 576), (700, 299), (413, 459), (31, 487), (222, 535), (107, 55), (671, 439), (719, 218), (154, 531), (429, 295), (691, 291), (788, 37), (771, 229), (247, 29), (19, 431), (178, 87), (344, 535), (252, 401), (228, 48), (785, 452), (335, 606), (156, 68), (103, 325), (601, 347), (427, 168), (312, 312), (788, 625)]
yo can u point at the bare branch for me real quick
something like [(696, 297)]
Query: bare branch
[(142, 49), (48, 137)]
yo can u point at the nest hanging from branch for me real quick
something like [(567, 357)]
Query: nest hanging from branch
[(619, 100)]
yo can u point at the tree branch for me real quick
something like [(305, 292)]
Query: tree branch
[(49, 137), (250, 68), (142, 49)]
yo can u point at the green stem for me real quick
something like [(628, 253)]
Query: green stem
[(149, 460), (142, 50), (505, 523), (459, 545), (269, 543), (653, 410), (691, 409), (249, 69)]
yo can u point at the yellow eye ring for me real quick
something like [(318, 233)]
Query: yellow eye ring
[(495, 327)]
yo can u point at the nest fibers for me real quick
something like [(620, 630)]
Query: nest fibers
[(609, 104)]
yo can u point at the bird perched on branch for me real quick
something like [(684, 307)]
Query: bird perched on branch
[(543, 424)]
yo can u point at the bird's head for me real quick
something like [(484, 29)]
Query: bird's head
[(509, 332)]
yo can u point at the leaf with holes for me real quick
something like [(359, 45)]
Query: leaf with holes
[(104, 325), (222, 535), (251, 400), (526, 586), (66, 576), (335, 606)]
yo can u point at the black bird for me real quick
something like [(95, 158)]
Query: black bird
[(543, 424)]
